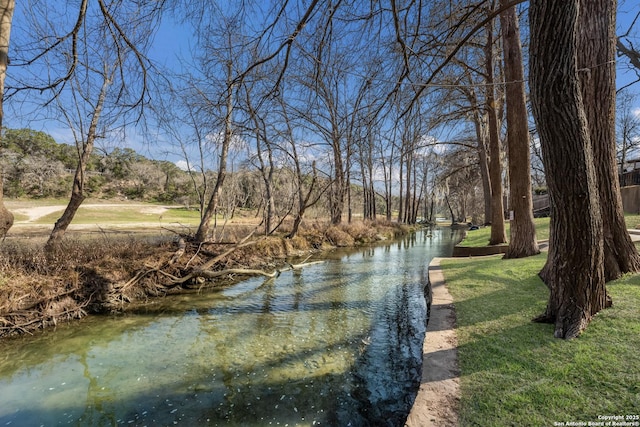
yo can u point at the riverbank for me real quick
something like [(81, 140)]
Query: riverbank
[(107, 272), (438, 400)]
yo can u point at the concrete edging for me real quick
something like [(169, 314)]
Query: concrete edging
[(466, 251), (438, 399)]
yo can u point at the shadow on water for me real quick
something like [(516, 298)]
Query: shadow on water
[(229, 395), (387, 399), (338, 343)]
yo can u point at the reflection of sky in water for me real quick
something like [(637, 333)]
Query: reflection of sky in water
[(336, 343)]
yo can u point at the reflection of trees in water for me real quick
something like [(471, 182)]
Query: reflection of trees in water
[(95, 413), (394, 349)]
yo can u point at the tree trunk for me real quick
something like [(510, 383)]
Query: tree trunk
[(387, 172), (498, 234), (338, 187), (400, 185), (304, 201), (522, 242), (348, 184), (212, 207), (407, 194), (453, 216), (79, 179), (483, 156), (484, 171), (266, 171), (596, 62), (574, 271), (6, 9), (267, 178)]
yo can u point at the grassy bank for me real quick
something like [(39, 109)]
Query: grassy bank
[(480, 237), (513, 372)]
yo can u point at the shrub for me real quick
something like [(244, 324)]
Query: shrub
[(362, 232), (338, 237)]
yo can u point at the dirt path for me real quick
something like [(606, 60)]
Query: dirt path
[(438, 399)]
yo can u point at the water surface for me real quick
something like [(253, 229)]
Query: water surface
[(337, 343)]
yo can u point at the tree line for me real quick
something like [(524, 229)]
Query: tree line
[(422, 103), (36, 166)]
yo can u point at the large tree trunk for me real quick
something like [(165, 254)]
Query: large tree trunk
[(522, 242), (596, 62), (484, 171), (574, 271), (6, 10), (498, 234)]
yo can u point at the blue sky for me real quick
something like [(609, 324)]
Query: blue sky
[(172, 45)]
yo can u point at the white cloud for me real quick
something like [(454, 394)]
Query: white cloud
[(182, 164)]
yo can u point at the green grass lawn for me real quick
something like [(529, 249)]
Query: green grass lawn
[(126, 215), (480, 237), (514, 372)]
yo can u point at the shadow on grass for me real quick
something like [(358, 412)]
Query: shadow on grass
[(514, 372)]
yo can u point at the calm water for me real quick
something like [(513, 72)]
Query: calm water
[(337, 343)]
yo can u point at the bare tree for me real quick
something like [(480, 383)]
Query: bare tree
[(85, 144), (627, 47), (498, 234), (266, 166), (522, 242), (106, 85), (57, 52), (202, 234), (628, 128)]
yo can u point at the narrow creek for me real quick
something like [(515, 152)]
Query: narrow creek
[(337, 343)]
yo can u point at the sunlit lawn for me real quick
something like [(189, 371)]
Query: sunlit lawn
[(477, 238), (514, 372), (127, 215), (480, 237), (102, 211)]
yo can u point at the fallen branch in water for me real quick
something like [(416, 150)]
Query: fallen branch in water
[(209, 274), (302, 264), (212, 274)]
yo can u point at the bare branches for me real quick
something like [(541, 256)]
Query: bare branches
[(73, 35), (59, 57), (480, 25), (286, 46), (142, 62), (630, 52)]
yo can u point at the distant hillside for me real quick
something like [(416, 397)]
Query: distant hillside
[(35, 166)]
